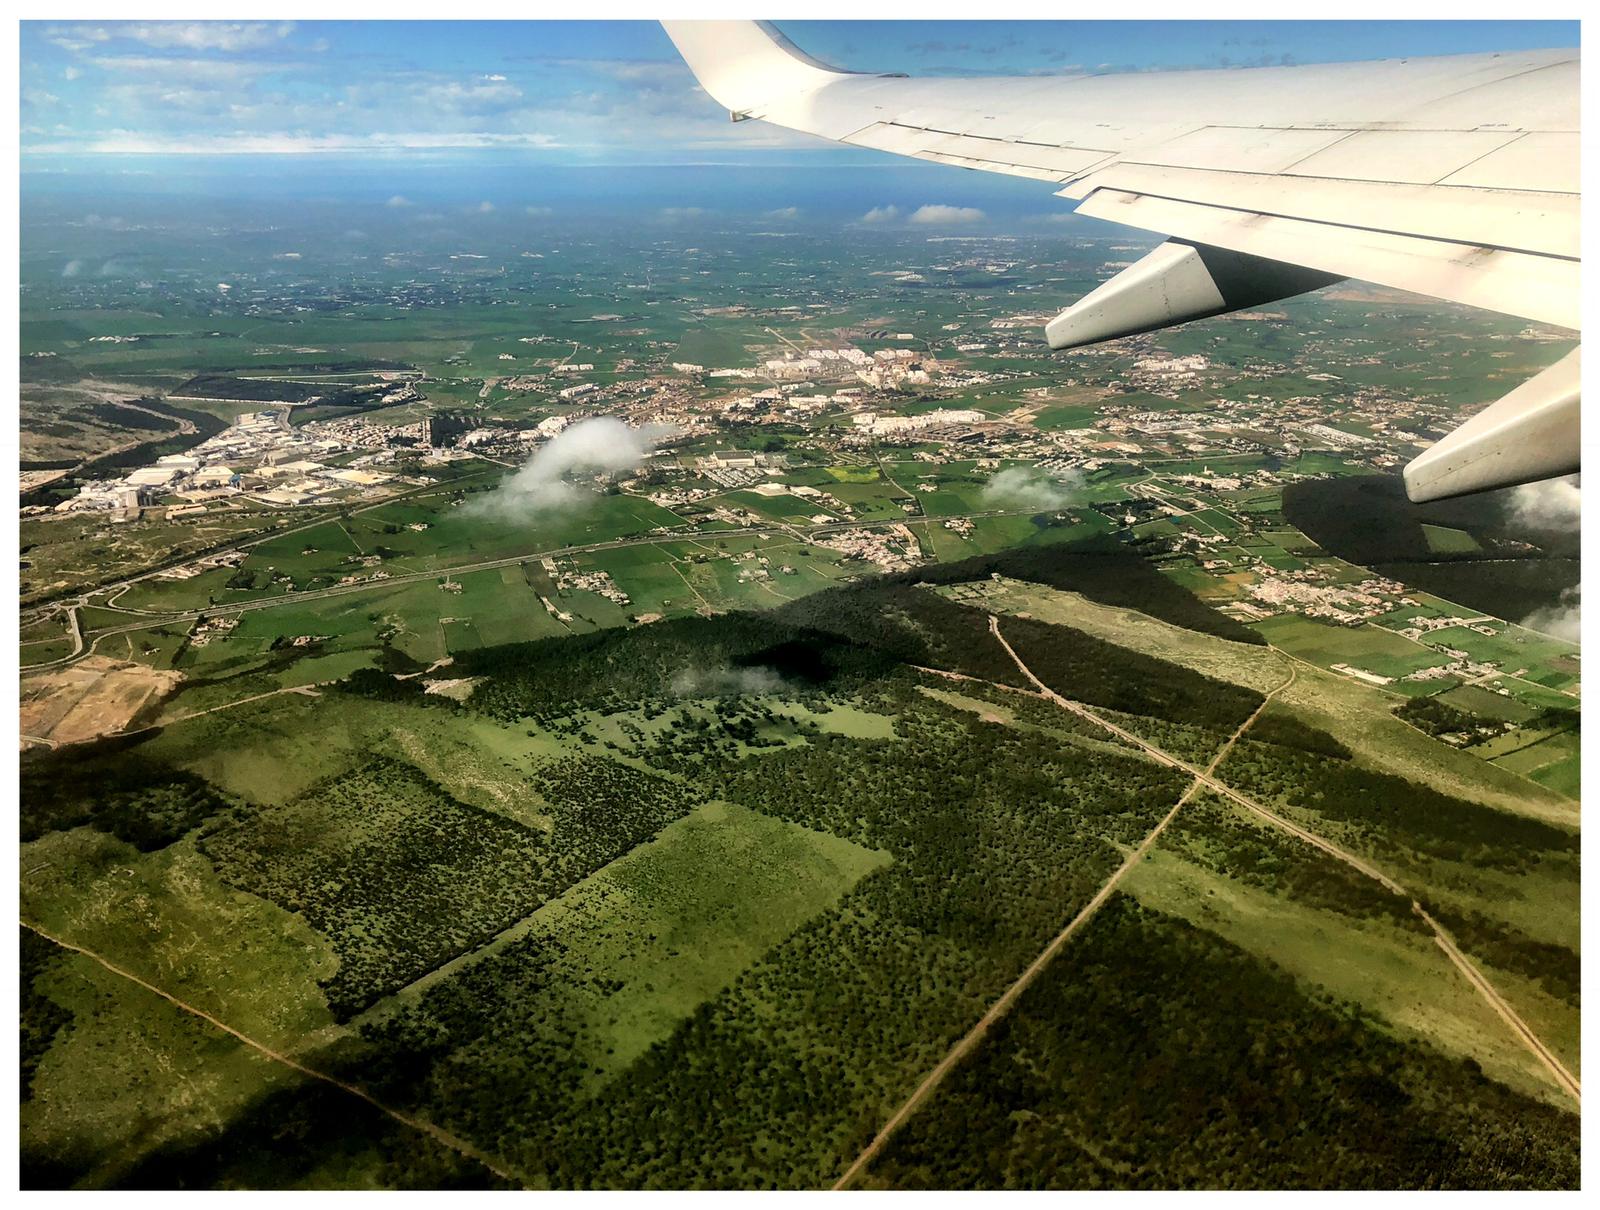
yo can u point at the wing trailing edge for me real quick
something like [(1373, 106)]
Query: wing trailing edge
[(1454, 177)]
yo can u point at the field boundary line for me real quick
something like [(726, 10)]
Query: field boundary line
[(974, 1036), (1480, 983), (437, 1133)]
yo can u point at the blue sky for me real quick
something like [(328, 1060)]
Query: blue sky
[(573, 92)]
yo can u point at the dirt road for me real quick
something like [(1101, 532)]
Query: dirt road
[(1520, 1028), (444, 1137), (1203, 778), (1008, 998)]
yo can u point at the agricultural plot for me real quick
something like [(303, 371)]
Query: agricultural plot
[(1445, 541), (1551, 759), (1369, 648), (401, 878), (1066, 416), (705, 915)]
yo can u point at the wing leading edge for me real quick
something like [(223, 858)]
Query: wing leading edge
[(1455, 177)]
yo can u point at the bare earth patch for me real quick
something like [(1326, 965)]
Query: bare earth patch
[(94, 697)]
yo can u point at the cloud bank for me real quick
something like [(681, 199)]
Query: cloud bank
[(1563, 620), (1553, 504), (1030, 487), (946, 216), (602, 446), (934, 214)]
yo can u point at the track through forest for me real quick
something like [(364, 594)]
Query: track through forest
[(439, 1135), (1520, 1028), (974, 1037), (1203, 778)]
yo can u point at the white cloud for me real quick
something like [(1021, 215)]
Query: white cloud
[(786, 213), (672, 214), (1030, 487), (398, 201), (170, 69), (484, 208), (602, 446), (1552, 504), (208, 35), (538, 211), (76, 38), (491, 96), (134, 142), (943, 216), (1563, 620), (176, 35), (722, 681), (881, 214)]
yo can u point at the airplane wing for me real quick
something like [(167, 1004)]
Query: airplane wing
[(1455, 177)]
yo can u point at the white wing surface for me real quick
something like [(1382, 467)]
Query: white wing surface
[(1455, 177)]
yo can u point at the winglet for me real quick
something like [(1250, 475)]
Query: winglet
[(746, 64)]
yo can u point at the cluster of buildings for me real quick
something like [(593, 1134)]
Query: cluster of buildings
[(893, 548), (939, 418), (1165, 373), (1425, 625), (1307, 592), (739, 468), (598, 582), (258, 458)]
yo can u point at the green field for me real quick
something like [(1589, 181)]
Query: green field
[(1444, 541), (567, 840), (652, 936), (1366, 647)]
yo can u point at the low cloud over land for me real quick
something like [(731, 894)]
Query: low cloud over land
[(1030, 487), (1553, 504), (719, 682), (602, 446), (932, 215), (944, 216), (1563, 620)]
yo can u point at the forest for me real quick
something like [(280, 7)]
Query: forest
[(1156, 1055), (110, 786), (1394, 810), (995, 835), (401, 877)]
